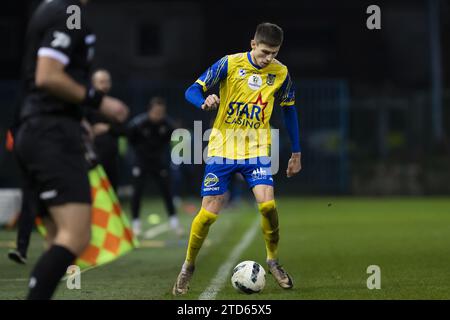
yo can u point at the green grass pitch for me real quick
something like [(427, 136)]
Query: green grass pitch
[(326, 244)]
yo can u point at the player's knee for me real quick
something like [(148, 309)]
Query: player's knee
[(267, 208), (206, 217), (213, 203)]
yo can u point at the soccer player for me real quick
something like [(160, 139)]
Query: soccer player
[(149, 134), (48, 141), (250, 82)]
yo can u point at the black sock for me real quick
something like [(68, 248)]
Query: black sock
[(26, 220), (48, 271)]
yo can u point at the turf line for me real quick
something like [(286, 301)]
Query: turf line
[(153, 232), (18, 279), (222, 274)]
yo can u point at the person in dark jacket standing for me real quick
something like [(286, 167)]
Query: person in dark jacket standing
[(149, 135), (106, 133)]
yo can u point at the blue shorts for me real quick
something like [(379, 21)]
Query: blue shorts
[(218, 173)]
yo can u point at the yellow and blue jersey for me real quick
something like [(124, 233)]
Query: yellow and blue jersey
[(247, 96)]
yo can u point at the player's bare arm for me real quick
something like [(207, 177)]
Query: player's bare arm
[(211, 103), (294, 164), (50, 76)]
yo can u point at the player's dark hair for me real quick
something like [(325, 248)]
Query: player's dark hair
[(269, 34), (156, 101)]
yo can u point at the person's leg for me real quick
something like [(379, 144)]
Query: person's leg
[(162, 177), (163, 181), (25, 223), (264, 195), (259, 177), (139, 176), (50, 149), (214, 186), (215, 183), (73, 223), (211, 206), (176, 178), (24, 227)]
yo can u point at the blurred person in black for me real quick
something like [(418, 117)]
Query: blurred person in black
[(25, 221), (149, 135), (182, 172), (105, 132), (48, 138)]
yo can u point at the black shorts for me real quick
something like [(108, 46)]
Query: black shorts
[(51, 156)]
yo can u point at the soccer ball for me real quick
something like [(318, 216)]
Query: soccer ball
[(248, 277)]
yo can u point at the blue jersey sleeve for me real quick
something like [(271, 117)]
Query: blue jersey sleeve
[(217, 72), (286, 93), (291, 122), (194, 95)]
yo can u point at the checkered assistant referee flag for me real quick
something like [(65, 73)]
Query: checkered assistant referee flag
[(112, 235)]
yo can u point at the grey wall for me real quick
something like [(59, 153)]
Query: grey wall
[(181, 38)]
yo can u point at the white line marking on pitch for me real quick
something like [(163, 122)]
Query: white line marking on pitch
[(149, 234), (156, 231), (222, 274), (19, 279)]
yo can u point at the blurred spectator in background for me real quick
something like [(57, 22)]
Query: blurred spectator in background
[(25, 222), (149, 135), (182, 172), (105, 133)]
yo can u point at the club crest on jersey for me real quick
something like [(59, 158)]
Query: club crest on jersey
[(270, 79), (242, 73), (254, 81)]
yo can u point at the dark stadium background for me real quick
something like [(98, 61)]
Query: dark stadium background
[(374, 104)]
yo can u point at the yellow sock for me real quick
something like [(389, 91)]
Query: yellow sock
[(269, 224), (199, 231)]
